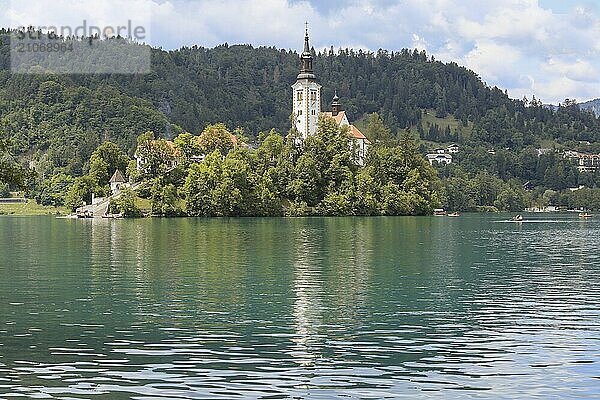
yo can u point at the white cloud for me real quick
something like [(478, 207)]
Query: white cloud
[(514, 44), (575, 70), (419, 42), (493, 60), (560, 86)]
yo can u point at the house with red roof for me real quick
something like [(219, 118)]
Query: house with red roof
[(359, 143)]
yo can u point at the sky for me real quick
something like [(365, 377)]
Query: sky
[(546, 48)]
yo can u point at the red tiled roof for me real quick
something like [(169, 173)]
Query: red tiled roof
[(355, 133), (338, 118)]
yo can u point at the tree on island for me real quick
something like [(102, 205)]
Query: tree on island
[(80, 193), (320, 179), (105, 160), (11, 172), (216, 137), (376, 130), (125, 205), (157, 155)]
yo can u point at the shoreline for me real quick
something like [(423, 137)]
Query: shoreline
[(30, 209), (58, 212)]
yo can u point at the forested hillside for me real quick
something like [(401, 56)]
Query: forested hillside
[(57, 121), (250, 87), (592, 105)]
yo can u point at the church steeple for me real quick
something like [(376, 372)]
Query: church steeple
[(306, 94), (306, 45), (306, 59)]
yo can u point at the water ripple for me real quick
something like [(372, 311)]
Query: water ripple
[(315, 308)]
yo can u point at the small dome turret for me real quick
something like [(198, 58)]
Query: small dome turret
[(336, 107)]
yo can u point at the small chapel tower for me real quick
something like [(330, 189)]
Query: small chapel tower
[(306, 95)]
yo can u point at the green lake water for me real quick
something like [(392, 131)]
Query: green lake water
[(306, 308)]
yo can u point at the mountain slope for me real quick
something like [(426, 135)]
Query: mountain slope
[(592, 105), (61, 119)]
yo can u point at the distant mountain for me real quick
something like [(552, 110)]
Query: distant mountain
[(550, 107), (593, 105)]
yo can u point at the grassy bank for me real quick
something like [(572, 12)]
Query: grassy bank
[(31, 208)]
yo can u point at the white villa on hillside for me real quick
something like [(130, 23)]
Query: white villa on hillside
[(453, 148), (306, 106), (439, 158), (585, 162), (442, 155)]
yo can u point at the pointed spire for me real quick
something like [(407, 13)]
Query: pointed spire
[(306, 44), (306, 67)]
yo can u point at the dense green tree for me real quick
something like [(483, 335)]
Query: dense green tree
[(164, 199), (202, 181), (366, 192), (215, 137), (11, 173), (376, 130), (307, 184), (459, 196), (267, 197), (585, 199), (80, 193), (53, 191), (511, 199), (105, 160), (158, 155), (125, 205), (221, 187), (318, 178), (188, 146), (4, 190)]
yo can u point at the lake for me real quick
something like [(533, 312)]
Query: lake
[(306, 308)]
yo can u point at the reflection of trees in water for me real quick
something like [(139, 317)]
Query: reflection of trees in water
[(307, 288), (350, 268), (330, 286)]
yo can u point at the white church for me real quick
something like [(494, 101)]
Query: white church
[(306, 100)]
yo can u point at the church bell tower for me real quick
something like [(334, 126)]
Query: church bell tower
[(306, 94)]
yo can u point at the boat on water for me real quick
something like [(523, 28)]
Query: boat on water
[(517, 218), (454, 214), (85, 214), (438, 212), (113, 216), (585, 215)]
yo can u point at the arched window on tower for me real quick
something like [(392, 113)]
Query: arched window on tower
[(299, 95)]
